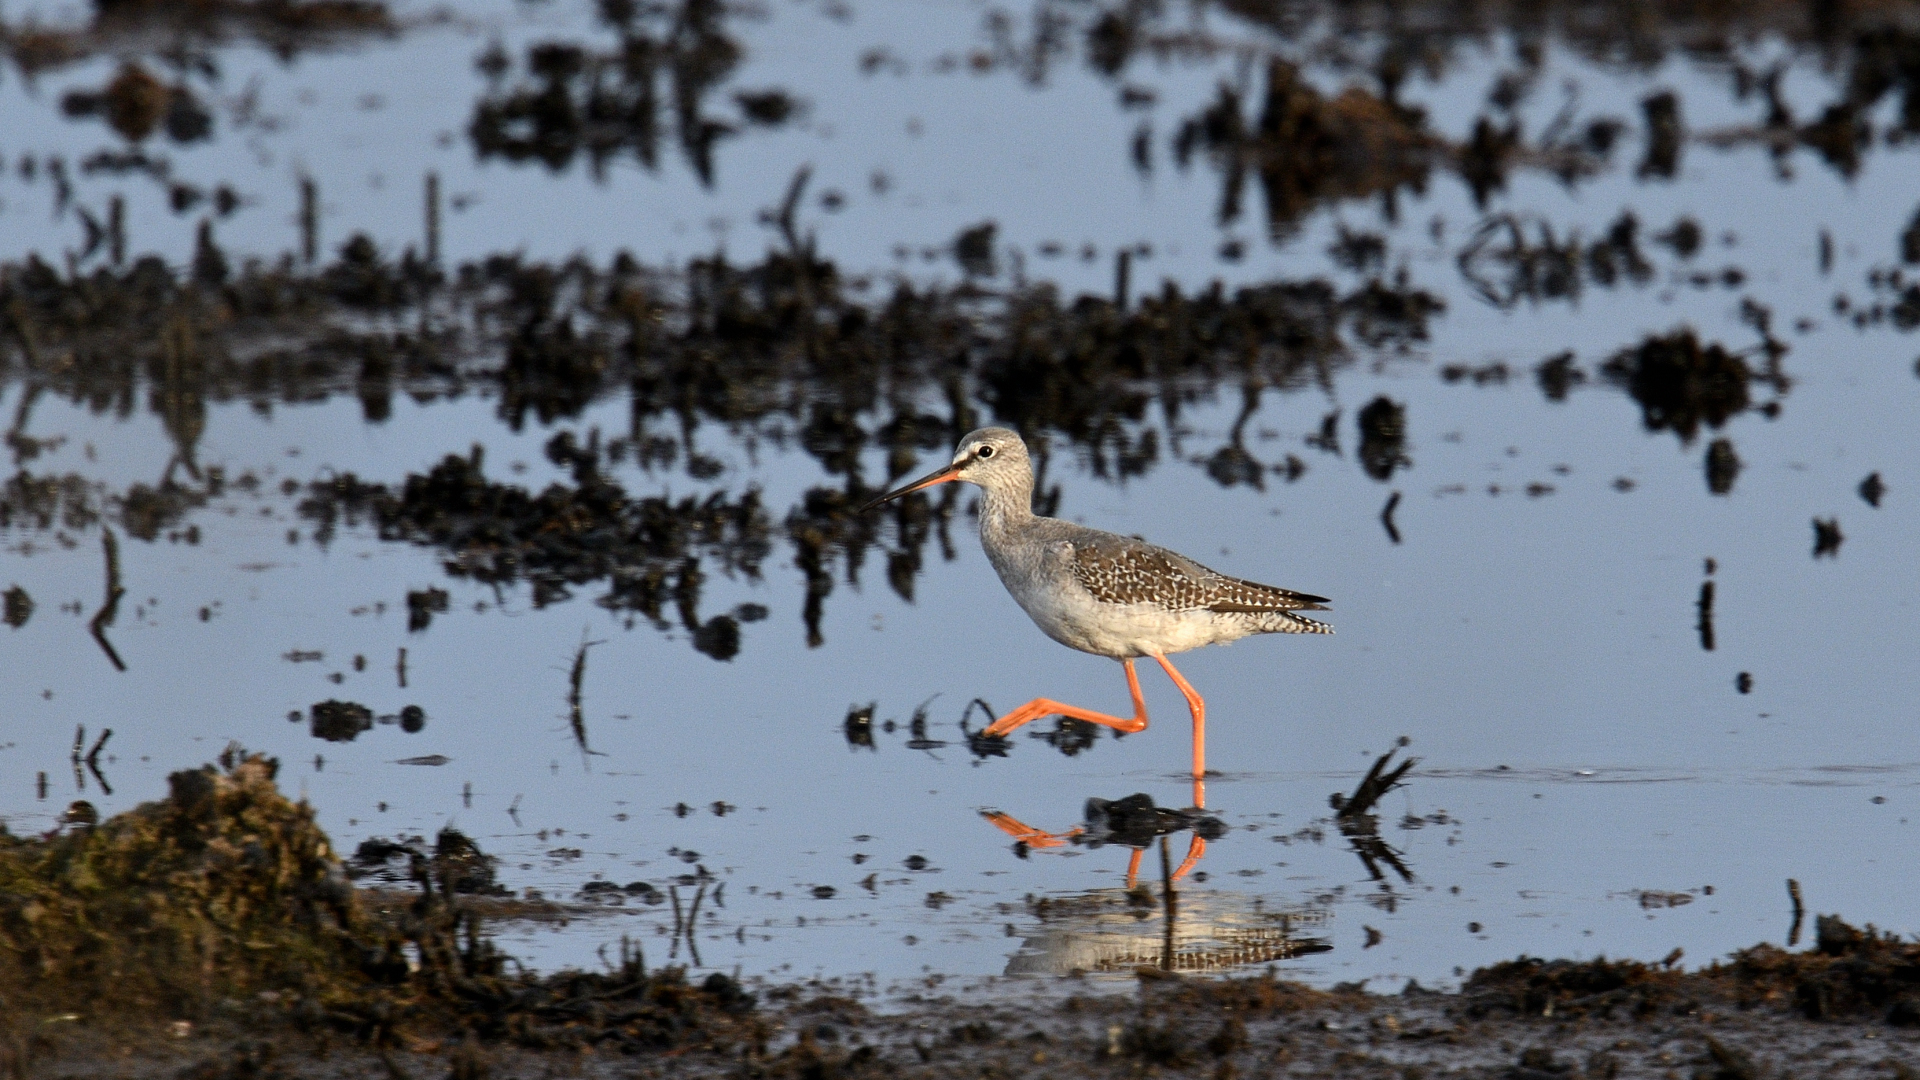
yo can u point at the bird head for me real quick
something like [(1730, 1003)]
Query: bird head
[(987, 457)]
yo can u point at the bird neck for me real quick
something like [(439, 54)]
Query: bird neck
[(1004, 509)]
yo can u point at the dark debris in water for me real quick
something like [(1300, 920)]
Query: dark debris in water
[(1383, 438), (1682, 383), (1871, 489), (1723, 466), (339, 721), (17, 607), (1827, 538), (454, 860)]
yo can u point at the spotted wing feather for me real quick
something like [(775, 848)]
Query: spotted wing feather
[(1122, 572)]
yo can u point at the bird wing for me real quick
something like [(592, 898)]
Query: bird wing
[(1121, 571)]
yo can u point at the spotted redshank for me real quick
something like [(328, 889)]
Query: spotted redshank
[(1106, 594)]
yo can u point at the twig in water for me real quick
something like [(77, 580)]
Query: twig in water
[(1378, 781), (679, 922), (1386, 517), (400, 666), (693, 913), (93, 755), (1799, 912), (576, 716), (110, 610), (79, 741), (985, 710), (1374, 851), (93, 760), (1705, 607)]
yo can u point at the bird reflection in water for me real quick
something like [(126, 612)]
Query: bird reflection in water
[(1133, 822), (1125, 929)]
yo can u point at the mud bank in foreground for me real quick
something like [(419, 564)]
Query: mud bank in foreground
[(216, 934)]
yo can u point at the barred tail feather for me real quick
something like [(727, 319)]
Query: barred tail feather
[(1286, 622)]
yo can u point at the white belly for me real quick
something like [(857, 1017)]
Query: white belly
[(1126, 630)]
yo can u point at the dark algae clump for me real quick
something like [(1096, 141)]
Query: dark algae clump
[(1849, 974)]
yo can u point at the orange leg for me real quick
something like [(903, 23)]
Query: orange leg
[(1027, 834), (1195, 851), (1039, 707), (1133, 867), (1199, 709)]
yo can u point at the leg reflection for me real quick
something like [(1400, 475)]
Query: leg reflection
[(1133, 822)]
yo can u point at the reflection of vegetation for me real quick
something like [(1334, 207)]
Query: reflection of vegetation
[(786, 349), (1308, 149), (651, 550), (573, 101), (186, 32), (1681, 383)]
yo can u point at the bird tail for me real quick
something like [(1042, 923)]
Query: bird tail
[(1286, 622)]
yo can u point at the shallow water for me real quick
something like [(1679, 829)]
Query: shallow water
[(1592, 778)]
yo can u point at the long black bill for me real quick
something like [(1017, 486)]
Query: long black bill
[(938, 476)]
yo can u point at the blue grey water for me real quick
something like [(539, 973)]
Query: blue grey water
[(1590, 780)]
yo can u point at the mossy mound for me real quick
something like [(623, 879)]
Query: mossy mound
[(224, 887), (226, 895)]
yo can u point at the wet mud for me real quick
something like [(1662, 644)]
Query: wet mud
[(217, 933)]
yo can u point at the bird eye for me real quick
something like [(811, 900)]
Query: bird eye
[(986, 452)]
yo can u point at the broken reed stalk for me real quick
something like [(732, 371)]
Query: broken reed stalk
[(1386, 516), (109, 610), (1799, 912), (1378, 781)]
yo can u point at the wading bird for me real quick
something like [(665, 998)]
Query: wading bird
[(1105, 594)]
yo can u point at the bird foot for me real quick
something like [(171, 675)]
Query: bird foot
[(1027, 834)]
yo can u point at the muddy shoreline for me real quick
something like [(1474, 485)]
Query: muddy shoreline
[(216, 933), (1168, 1025)]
